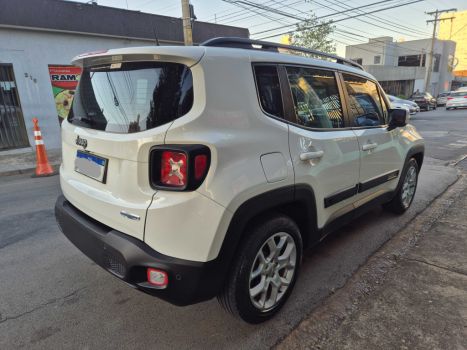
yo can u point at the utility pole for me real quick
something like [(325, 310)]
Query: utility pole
[(187, 34), (435, 23)]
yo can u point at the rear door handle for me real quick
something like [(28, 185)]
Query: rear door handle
[(369, 146), (311, 155)]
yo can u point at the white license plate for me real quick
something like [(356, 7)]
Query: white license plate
[(91, 166)]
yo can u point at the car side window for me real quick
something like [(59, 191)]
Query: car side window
[(269, 90), (316, 98), (365, 101)]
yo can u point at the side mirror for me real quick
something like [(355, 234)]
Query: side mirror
[(398, 117)]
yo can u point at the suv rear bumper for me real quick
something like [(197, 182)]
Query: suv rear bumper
[(128, 259)]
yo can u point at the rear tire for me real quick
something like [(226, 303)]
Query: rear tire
[(406, 192), (264, 269), (447, 108)]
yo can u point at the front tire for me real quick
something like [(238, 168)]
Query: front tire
[(406, 192), (264, 270)]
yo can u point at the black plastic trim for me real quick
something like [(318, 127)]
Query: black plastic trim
[(191, 151), (340, 196), (378, 180)]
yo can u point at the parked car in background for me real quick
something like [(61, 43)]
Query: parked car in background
[(456, 99), (441, 99), (463, 88), (397, 102), (424, 100)]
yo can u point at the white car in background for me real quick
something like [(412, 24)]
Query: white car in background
[(396, 102), (456, 99)]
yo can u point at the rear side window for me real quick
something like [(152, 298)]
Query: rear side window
[(133, 97), (458, 94), (316, 98), (365, 101), (269, 90)]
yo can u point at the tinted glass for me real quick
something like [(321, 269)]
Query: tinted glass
[(458, 94), (269, 90), (443, 95), (316, 98), (418, 96), (365, 102), (135, 97)]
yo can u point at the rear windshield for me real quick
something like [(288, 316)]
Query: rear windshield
[(458, 94), (418, 95), (443, 95), (132, 97)]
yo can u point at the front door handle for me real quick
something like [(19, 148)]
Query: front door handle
[(369, 146), (311, 155)]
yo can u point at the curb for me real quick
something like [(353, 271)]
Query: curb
[(25, 170)]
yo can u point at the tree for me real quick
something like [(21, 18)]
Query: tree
[(314, 34)]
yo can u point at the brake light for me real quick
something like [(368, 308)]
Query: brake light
[(424, 100), (449, 98), (200, 166), (173, 169), (157, 277), (93, 53)]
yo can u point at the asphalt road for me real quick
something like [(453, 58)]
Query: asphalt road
[(52, 296)]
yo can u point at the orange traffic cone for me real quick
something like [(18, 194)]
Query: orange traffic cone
[(43, 165)]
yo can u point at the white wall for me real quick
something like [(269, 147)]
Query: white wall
[(32, 52)]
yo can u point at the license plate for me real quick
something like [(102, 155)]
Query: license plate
[(91, 166)]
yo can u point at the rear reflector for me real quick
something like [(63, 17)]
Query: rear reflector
[(173, 169), (157, 277), (200, 166)]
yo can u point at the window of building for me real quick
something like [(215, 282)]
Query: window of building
[(357, 60), (412, 61), (316, 98), (377, 59), (365, 101), (436, 62), (269, 90)]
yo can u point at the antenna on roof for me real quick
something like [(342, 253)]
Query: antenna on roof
[(155, 35)]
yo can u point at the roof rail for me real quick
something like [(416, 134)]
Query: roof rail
[(243, 43)]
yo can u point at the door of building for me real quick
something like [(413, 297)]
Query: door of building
[(12, 130)]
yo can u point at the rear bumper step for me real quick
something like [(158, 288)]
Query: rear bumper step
[(128, 259)]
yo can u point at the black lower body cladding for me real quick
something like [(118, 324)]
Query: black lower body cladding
[(128, 259)]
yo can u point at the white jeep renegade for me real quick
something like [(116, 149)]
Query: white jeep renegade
[(195, 172)]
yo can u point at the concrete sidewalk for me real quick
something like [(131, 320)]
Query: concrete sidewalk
[(421, 303), (21, 163)]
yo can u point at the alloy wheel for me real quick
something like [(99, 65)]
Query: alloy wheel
[(273, 271), (408, 189)]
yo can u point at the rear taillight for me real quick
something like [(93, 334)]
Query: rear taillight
[(200, 166), (178, 167), (173, 169), (449, 98), (424, 100)]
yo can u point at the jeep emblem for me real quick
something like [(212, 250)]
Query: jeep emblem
[(81, 142)]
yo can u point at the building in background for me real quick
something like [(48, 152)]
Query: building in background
[(38, 39), (456, 30), (400, 67)]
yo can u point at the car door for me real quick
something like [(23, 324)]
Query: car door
[(323, 148), (381, 154)]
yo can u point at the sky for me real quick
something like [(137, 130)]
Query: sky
[(406, 22)]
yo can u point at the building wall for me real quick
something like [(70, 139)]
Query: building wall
[(31, 52), (454, 30), (389, 70)]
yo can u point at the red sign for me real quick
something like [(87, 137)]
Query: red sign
[(64, 77)]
